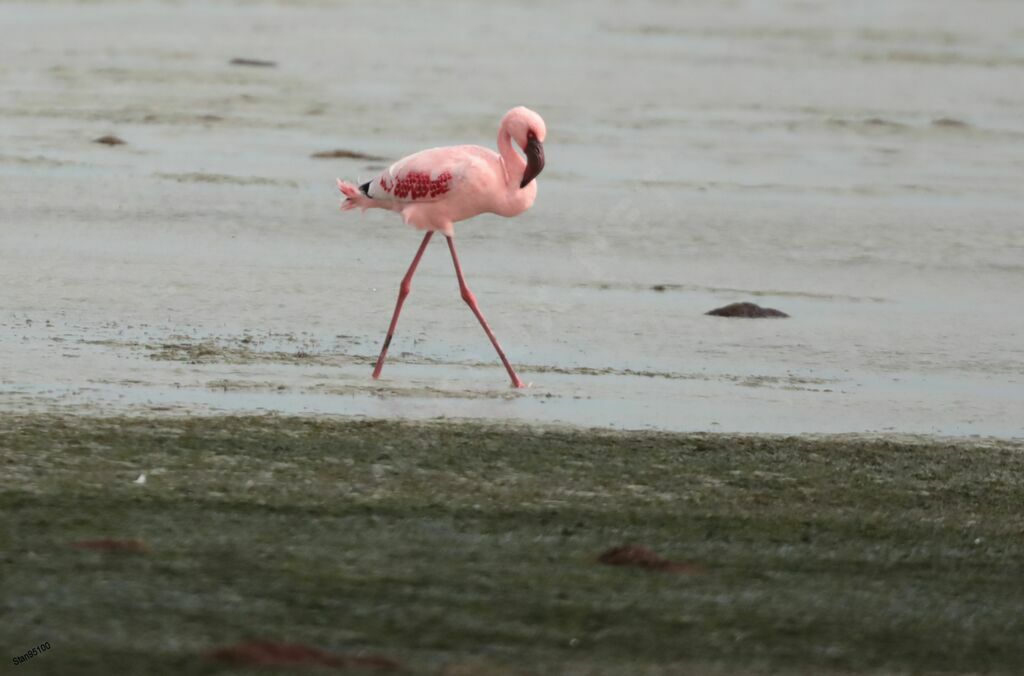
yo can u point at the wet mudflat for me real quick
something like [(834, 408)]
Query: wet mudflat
[(474, 549), (859, 171)]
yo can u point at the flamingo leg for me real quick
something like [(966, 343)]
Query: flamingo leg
[(470, 299), (403, 291)]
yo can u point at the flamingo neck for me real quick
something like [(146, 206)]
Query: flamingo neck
[(515, 165)]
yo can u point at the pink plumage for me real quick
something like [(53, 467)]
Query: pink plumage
[(434, 189)]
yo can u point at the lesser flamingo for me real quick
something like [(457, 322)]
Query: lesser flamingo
[(433, 189)]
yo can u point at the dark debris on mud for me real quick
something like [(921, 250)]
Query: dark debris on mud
[(648, 559), (291, 655), (111, 545), (746, 311), (110, 140)]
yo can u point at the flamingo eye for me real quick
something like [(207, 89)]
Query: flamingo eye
[(530, 134)]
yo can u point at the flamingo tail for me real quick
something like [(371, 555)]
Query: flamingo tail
[(354, 198)]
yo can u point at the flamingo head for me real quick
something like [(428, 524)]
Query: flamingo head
[(527, 129)]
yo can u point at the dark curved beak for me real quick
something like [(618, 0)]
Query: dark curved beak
[(534, 160)]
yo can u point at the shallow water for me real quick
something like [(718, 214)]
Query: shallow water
[(859, 170)]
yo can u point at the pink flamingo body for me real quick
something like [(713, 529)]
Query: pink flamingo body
[(434, 189)]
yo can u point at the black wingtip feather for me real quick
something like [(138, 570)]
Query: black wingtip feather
[(365, 188)]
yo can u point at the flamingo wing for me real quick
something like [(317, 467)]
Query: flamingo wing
[(426, 176)]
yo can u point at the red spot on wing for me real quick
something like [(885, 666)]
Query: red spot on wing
[(417, 185)]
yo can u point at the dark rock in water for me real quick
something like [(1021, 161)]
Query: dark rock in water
[(880, 122), (346, 154), (109, 140), (259, 63), (949, 122), (747, 310)]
